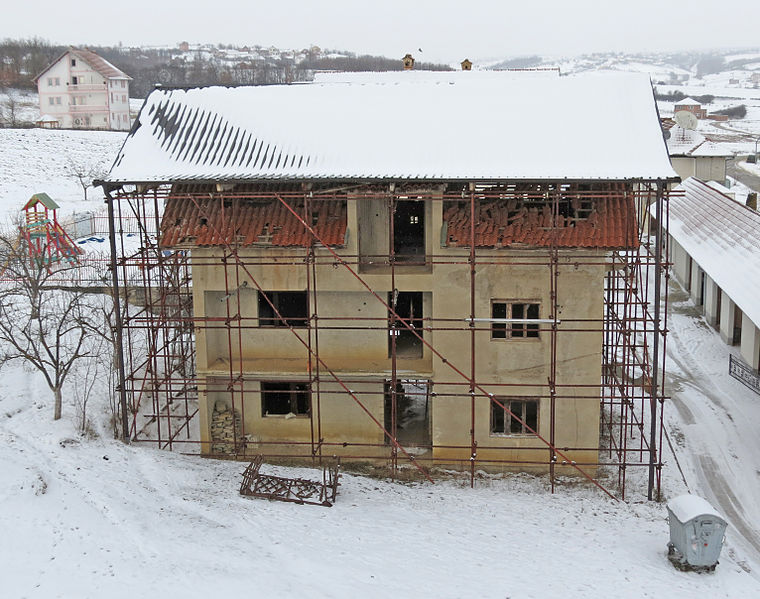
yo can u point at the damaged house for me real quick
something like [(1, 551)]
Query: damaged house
[(426, 268)]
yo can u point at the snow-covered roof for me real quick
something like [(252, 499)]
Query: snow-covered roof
[(414, 125), (720, 234), (100, 64), (688, 102), (687, 142), (688, 507), (96, 62), (46, 118)]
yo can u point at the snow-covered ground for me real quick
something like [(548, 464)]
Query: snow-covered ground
[(94, 518), (713, 420), (735, 135), (750, 168), (27, 106), (42, 160), (90, 517)]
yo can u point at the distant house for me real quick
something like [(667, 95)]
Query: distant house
[(691, 106), (715, 255), (81, 90), (693, 156)]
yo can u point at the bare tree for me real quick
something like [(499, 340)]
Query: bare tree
[(102, 325), (85, 171), (87, 376), (10, 108), (42, 322)]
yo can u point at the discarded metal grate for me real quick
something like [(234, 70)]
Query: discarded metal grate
[(294, 490), (743, 373)]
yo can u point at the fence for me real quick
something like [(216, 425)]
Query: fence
[(744, 374)]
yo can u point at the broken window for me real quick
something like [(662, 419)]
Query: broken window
[(408, 306), (505, 423), (513, 310), (293, 307), (283, 398)]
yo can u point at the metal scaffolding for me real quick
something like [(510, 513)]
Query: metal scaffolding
[(156, 330)]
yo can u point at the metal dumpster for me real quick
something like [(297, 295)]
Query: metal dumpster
[(696, 533)]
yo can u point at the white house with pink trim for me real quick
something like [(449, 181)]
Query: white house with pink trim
[(84, 91)]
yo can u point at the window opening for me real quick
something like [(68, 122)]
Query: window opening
[(504, 423), (408, 305), (409, 230), (293, 306), (283, 398), (514, 310)]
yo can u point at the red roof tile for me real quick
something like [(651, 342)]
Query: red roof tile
[(240, 222), (611, 223)]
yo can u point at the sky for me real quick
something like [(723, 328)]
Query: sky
[(440, 31)]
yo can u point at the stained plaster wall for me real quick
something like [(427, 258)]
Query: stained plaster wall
[(362, 355)]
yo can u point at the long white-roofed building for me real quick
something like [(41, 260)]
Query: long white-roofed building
[(715, 254), (428, 268)]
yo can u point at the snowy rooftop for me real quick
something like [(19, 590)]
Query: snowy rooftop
[(688, 102), (720, 234), (97, 62), (413, 125), (687, 142)]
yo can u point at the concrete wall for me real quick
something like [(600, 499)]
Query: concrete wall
[(727, 314), (711, 168), (707, 168), (697, 284), (516, 367), (711, 301), (685, 166), (681, 263), (750, 342)]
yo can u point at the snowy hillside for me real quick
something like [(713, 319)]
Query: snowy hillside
[(43, 160), (90, 517)]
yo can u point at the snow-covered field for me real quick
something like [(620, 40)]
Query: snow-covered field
[(735, 135), (42, 160), (90, 517)]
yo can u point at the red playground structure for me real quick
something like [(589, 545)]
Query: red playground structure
[(46, 240)]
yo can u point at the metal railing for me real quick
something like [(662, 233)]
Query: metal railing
[(87, 87), (744, 374), (88, 108)]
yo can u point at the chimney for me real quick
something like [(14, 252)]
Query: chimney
[(752, 200), (408, 61), (466, 64)]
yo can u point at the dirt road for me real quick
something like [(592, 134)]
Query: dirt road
[(715, 424)]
